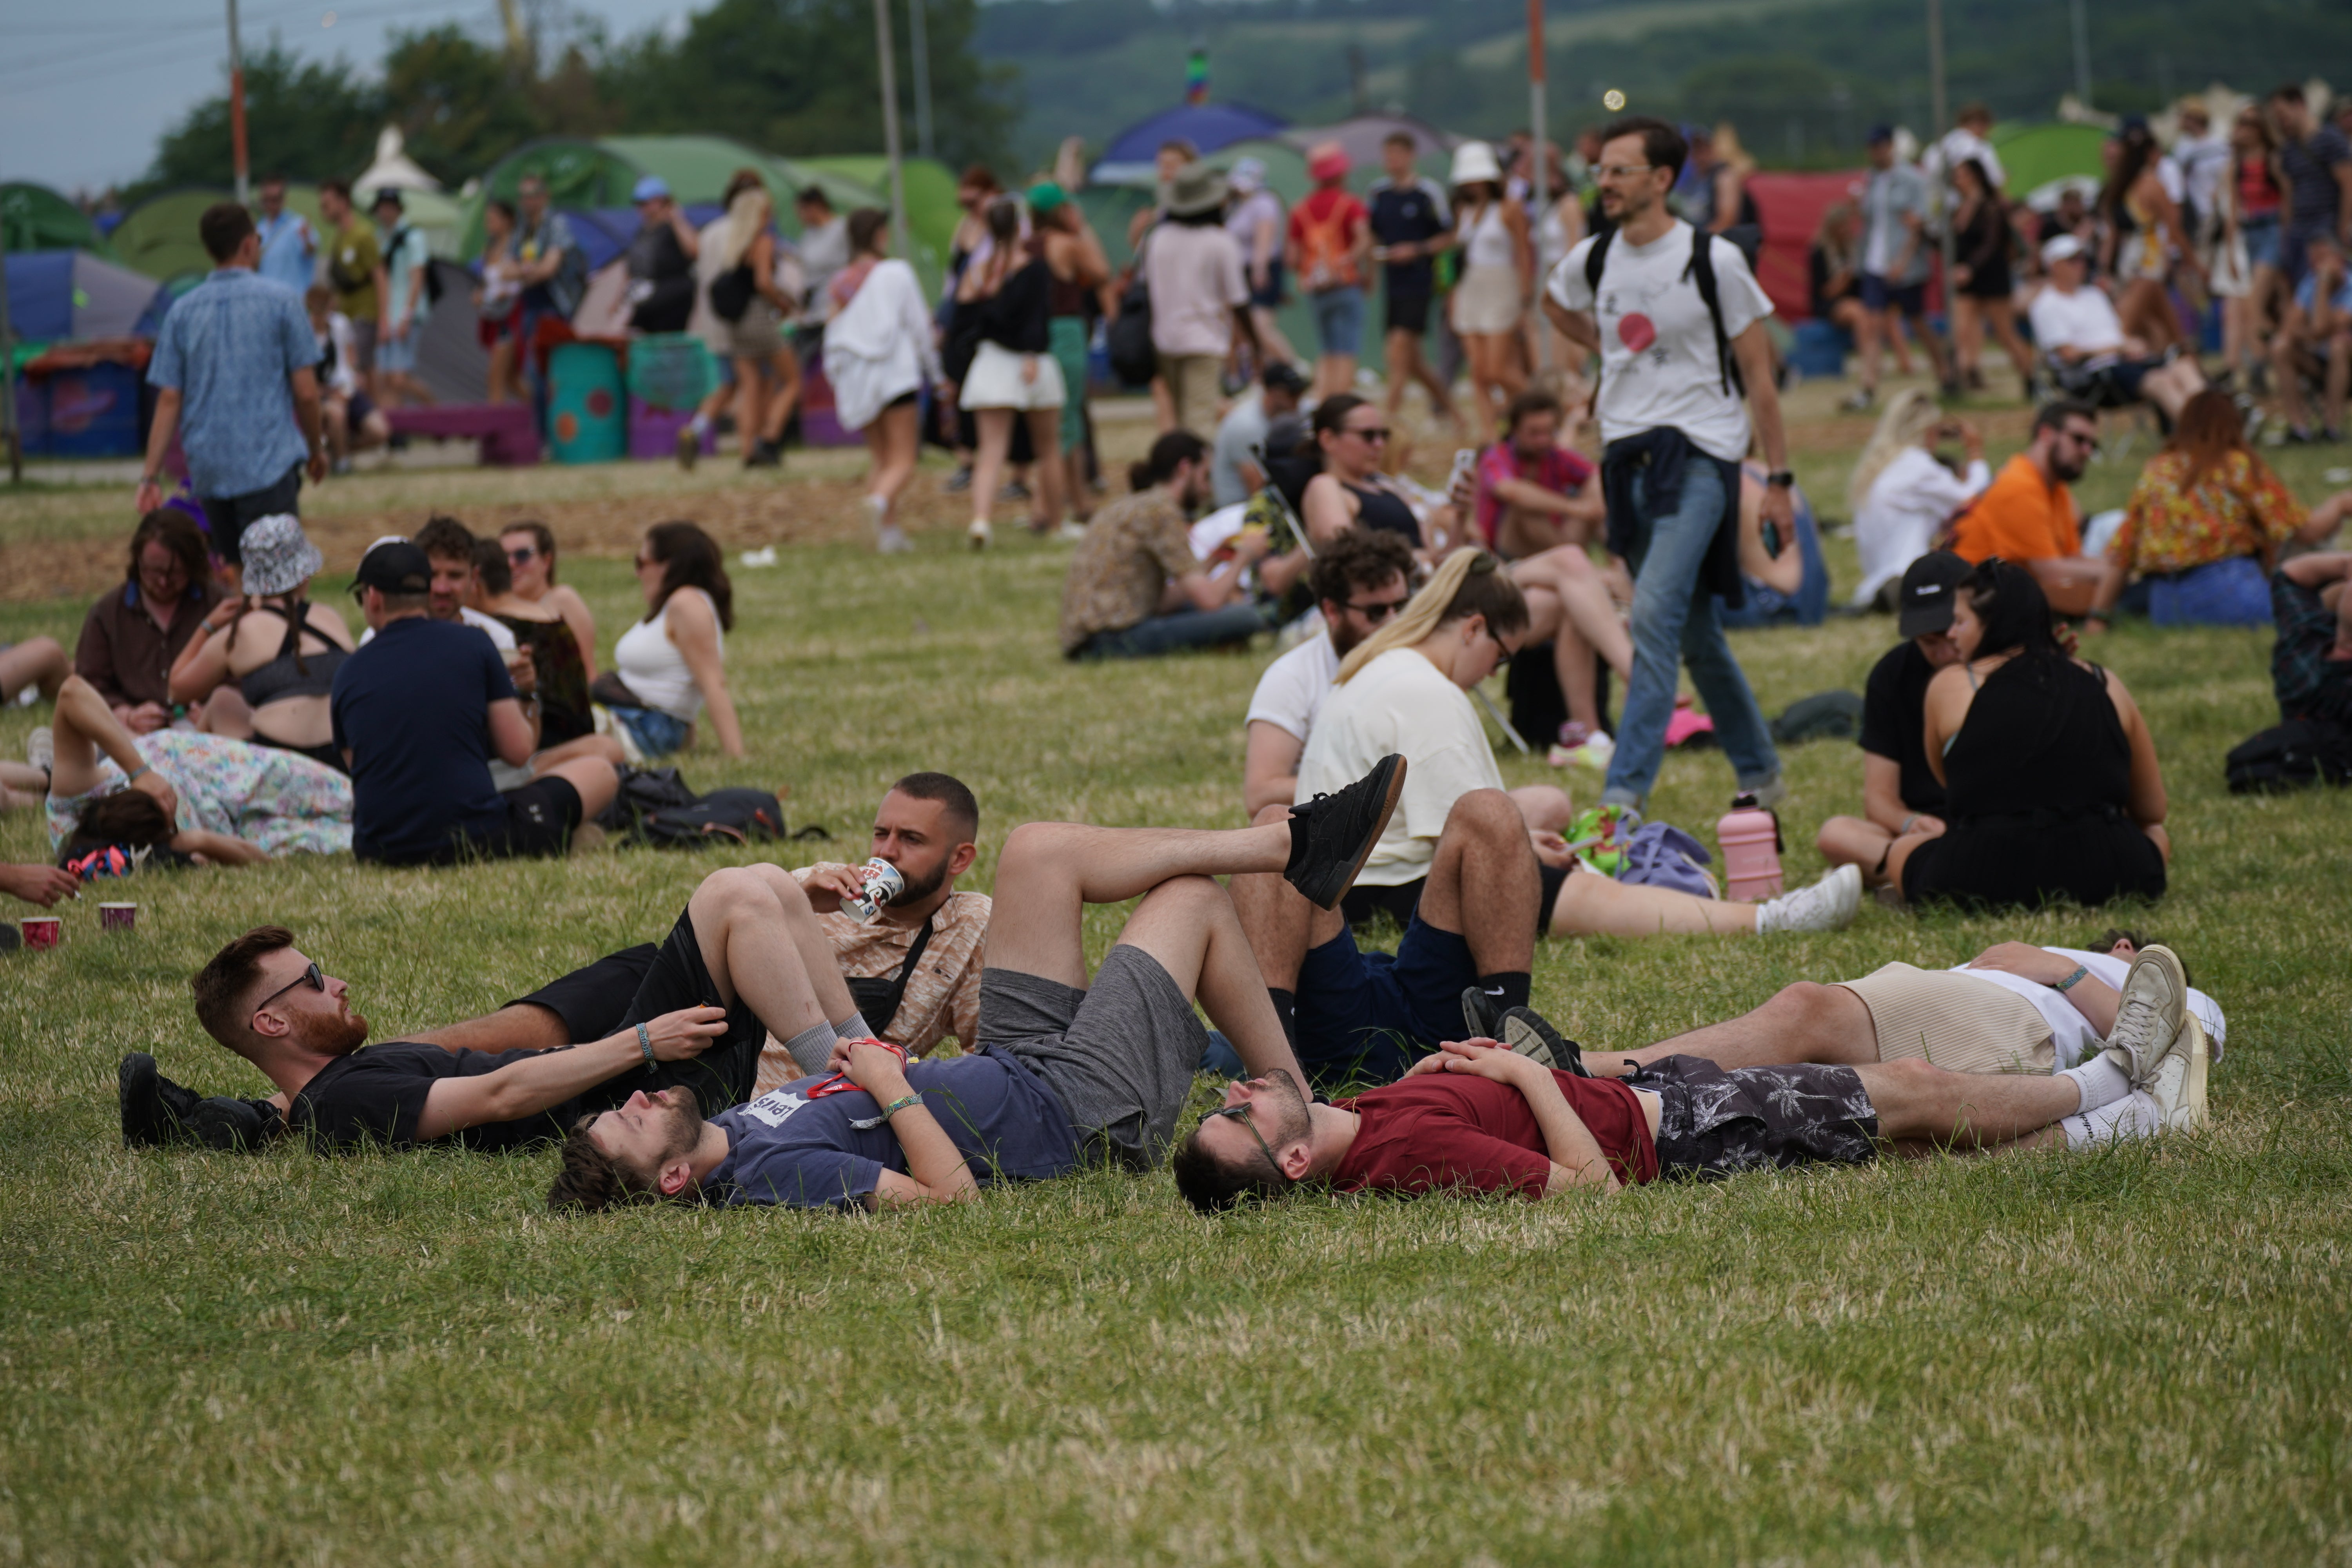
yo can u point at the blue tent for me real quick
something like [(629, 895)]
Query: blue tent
[(70, 294), (1208, 126)]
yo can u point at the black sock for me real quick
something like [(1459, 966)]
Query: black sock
[(1505, 990), (1285, 1007)]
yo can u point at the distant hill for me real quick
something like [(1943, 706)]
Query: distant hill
[(1804, 80)]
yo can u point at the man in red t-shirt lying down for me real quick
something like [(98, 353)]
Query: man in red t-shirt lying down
[(1481, 1116)]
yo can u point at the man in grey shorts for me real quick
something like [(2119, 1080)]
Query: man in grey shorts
[(1063, 1074)]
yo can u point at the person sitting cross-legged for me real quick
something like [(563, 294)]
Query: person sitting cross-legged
[(1135, 588), (744, 960), (1063, 1073), (1483, 1118), (1901, 795)]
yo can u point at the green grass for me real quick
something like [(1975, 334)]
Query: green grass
[(2130, 1356)]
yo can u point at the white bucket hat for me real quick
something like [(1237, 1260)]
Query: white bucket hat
[(277, 556), (1473, 161)]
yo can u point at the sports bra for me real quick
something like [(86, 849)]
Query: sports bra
[(293, 673)]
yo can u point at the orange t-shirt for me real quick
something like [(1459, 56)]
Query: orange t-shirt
[(2021, 516)]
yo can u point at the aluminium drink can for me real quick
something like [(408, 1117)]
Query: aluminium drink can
[(883, 884)]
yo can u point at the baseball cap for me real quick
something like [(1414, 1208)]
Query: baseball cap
[(2064, 248), (388, 196), (1285, 376), (394, 566), (1929, 586), (653, 188)]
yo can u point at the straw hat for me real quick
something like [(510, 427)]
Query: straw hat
[(1473, 161), (279, 556)]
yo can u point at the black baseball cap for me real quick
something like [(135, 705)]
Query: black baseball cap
[(394, 566), (1929, 587)]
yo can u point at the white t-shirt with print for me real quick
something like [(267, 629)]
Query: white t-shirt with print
[(1291, 693), (1658, 363), (1401, 702), (2071, 1032)]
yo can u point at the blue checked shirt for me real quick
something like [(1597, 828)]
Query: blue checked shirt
[(229, 346)]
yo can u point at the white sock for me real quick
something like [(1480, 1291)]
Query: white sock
[(856, 1027), (2134, 1116), (2101, 1081), (699, 425), (812, 1049)]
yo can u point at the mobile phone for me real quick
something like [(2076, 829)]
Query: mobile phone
[(1465, 461)]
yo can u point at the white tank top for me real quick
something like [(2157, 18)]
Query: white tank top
[(1490, 240), (652, 666)]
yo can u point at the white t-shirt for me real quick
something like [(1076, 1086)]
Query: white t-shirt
[(1195, 274), (1958, 145), (2083, 320), (1658, 363), (2069, 1029), (1237, 433), (492, 628), (1291, 693), (1912, 499), (1401, 702)]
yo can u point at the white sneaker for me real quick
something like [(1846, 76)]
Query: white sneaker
[(1829, 904), (41, 749), (1071, 530), (891, 540), (2148, 1016), (2178, 1087), (981, 534)]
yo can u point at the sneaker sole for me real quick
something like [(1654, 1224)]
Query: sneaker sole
[(2174, 1013), (1373, 839), (2190, 1115)]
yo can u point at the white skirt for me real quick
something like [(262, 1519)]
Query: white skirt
[(995, 380), (1487, 300)]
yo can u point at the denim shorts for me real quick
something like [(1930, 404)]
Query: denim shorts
[(1340, 320), (657, 733), (2261, 237)]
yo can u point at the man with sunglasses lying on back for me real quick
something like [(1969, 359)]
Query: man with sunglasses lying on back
[(1481, 1117), (745, 959)]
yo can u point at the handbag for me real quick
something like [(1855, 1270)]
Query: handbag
[(731, 292)]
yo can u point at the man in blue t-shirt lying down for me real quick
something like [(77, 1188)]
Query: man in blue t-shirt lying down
[(746, 957), (1065, 1074)]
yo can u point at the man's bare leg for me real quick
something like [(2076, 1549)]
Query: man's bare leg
[(749, 949), (1915, 1100), (1589, 905), (1485, 884), (817, 957), (1804, 1023), (1188, 926)]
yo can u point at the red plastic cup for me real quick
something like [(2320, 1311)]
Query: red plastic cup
[(113, 918), (42, 932)]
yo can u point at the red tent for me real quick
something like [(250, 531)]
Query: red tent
[(1792, 206)]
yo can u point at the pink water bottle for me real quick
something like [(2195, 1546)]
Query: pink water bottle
[(1750, 837)]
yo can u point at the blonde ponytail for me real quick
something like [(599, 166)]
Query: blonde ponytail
[(1469, 582)]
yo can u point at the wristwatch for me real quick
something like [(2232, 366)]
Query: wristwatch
[(1781, 478)]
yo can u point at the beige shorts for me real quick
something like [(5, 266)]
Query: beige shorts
[(1953, 1021), (995, 380)]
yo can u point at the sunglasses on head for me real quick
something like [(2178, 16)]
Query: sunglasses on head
[(311, 976)]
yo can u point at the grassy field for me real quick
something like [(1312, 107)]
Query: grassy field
[(2138, 1355)]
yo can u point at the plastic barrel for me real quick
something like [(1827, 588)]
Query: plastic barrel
[(586, 408)]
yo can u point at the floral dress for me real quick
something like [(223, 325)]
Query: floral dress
[(2238, 507), (279, 800)]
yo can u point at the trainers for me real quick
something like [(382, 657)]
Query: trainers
[(155, 1110), (2148, 1017), (1531, 1034), (689, 448), (955, 484), (1014, 491), (1333, 834), (980, 534), (1480, 1016), (1860, 402), (1071, 532), (41, 749), (2179, 1087), (1829, 904), (1766, 795), (236, 1126)]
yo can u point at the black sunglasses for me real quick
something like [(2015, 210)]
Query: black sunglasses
[(1377, 612), (523, 556), (1240, 1114), (310, 976)]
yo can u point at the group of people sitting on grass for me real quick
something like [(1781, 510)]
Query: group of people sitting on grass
[(765, 1051), (225, 716)]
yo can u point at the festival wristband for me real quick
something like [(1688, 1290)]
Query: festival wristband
[(2080, 971), (901, 1104), (645, 1043), (133, 777), (1905, 828)]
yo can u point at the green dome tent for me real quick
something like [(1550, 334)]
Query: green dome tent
[(931, 210), (158, 237), (35, 217), (2035, 158)]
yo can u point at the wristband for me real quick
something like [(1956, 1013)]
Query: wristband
[(645, 1043), (1905, 829), (143, 769), (901, 1104), (2080, 971)]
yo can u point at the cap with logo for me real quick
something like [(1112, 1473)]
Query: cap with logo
[(1929, 586), (394, 566)]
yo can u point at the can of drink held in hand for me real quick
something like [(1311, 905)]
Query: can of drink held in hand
[(883, 884)]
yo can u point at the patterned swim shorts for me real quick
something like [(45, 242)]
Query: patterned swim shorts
[(1715, 1123)]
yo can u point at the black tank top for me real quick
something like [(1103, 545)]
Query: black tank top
[(2040, 738), (1386, 511), (293, 673)]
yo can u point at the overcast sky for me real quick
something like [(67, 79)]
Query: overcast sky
[(86, 89)]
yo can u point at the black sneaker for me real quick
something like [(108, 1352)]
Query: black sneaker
[(1332, 835), (236, 1126), (155, 1110), (1530, 1034), (1480, 1016)]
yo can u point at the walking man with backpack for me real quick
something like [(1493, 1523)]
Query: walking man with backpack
[(1679, 327), (1331, 238)]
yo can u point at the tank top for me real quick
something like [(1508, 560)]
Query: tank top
[(651, 666), (1489, 244), (562, 678), (2050, 747), (1385, 511), (292, 673), (2258, 193)]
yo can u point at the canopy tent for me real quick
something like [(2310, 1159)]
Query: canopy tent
[(393, 167), (1363, 135), (158, 237), (441, 218), (35, 217), (2040, 160), (1209, 127), (71, 295)]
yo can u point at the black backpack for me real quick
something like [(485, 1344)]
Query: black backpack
[(1133, 359), (740, 816), (2293, 756), (432, 267), (1701, 272)]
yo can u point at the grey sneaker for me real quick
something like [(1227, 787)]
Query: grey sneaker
[(2148, 1017), (1768, 794), (1531, 1034), (41, 749), (1829, 904)]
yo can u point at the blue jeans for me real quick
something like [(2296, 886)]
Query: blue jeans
[(2231, 592), (1674, 623), (1172, 634), (657, 733), (1340, 320)]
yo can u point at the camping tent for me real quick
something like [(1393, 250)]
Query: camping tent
[(57, 295), (1362, 136), (1209, 127), (2040, 160), (35, 217), (158, 237), (931, 210)]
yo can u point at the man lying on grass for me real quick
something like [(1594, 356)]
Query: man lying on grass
[(747, 957), (1062, 1074), (1481, 1116)]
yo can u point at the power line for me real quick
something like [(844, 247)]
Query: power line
[(136, 57)]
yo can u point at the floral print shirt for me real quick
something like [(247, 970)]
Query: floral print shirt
[(2238, 508)]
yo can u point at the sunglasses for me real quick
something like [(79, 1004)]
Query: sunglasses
[(1240, 1114), (1377, 612), (310, 976), (524, 556), (1371, 433)]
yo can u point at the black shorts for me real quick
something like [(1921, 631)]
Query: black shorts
[(540, 816), (1365, 1018), (676, 978), (227, 517), (1712, 1123), (591, 1003), (1408, 311), (1400, 901)]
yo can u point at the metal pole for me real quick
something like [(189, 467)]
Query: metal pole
[(1946, 189), (9, 429), (1539, 182), (900, 237), (2081, 23), (236, 109), (919, 47)]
